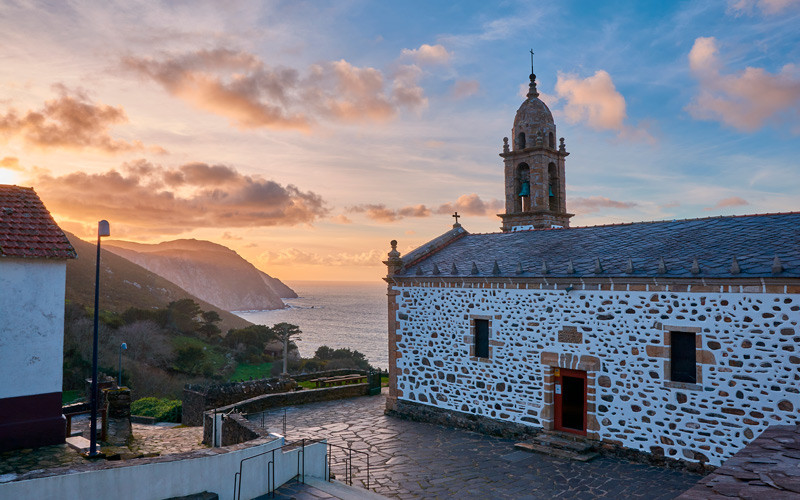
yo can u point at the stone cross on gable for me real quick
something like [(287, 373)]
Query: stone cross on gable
[(456, 216)]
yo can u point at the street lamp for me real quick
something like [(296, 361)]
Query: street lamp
[(122, 347), (102, 230)]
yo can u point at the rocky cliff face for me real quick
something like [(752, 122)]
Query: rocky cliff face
[(210, 271)]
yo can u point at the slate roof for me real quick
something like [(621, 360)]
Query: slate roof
[(768, 467), (27, 229), (754, 240)]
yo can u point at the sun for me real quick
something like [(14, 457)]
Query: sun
[(8, 176)]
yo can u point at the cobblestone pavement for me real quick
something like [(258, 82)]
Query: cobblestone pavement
[(149, 439), (420, 460)]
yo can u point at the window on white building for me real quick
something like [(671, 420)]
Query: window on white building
[(481, 338), (683, 357)]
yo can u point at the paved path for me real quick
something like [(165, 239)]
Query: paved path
[(419, 460)]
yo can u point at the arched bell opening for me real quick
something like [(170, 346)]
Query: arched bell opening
[(523, 188), (552, 186)]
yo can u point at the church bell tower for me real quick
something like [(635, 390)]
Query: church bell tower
[(534, 169)]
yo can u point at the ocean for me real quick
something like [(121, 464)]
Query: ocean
[(335, 314)]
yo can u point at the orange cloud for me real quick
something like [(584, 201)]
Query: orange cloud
[(465, 88), (428, 54), (11, 163), (468, 204), (251, 94), (596, 203), (293, 256), (744, 101), (70, 121), (733, 201), (157, 200), (593, 100), (767, 7)]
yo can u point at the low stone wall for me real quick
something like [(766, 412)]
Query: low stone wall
[(304, 377), (197, 398), (269, 401), (236, 429)]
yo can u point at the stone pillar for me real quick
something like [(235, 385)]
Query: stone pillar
[(119, 416)]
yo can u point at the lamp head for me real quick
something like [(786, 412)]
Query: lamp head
[(123, 346), (103, 228)]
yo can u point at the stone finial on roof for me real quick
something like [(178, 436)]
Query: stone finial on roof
[(562, 148), (695, 267), (570, 267), (436, 270), (629, 267), (777, 266), (545, 269), (735, 269), (454, 270), (506, 149), (394, 263), (598, 267), (519, 268), (662, 266), (496, 268), (474, 268)]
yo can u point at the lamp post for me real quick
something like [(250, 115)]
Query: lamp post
[(122, 347), (102, 230)]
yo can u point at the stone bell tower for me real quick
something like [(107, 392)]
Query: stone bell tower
[(534, 169)]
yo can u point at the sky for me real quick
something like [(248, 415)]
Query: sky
[(307, 135)]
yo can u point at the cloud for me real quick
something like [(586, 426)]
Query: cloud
[(293, 256), (468, 204), (733, 201), (251, 94), (593, 100), (155, 199), (767, 7), (596, 203), (745, 101), (341, 219), (472, 204), (11, 163), (69, 121), (379, 212), (228, 236), (465, 88), (428, 54)]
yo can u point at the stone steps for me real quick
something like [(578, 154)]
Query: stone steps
[(560, 446)]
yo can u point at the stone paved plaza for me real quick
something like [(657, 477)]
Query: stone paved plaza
[(420, 460)]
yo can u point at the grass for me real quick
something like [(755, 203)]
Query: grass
[(245, 371), (213, 354), (68, 397)]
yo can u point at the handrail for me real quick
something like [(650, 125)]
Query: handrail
[(348, 463), (301, 468)]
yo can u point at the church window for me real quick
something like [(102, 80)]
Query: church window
[(683, 357), (521, 140), (552, 141), (481, 338), (552, 173)]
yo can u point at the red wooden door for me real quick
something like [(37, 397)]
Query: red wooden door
[(569, 397)]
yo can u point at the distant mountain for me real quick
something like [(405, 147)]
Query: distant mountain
[(125, 284), (213, 272)]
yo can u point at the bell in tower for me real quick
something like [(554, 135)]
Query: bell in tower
[(534, 169)]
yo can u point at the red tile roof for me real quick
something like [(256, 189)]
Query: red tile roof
[(27, 229)]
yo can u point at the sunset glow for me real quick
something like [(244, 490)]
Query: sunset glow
[(307, 135)]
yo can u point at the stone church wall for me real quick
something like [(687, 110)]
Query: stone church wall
[(748, 357)]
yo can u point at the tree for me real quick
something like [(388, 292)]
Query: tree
[(324, 353), (208, 328), (183, 315), (284, 332), (189, 358)]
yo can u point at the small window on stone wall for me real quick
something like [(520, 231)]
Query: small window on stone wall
[(683, 357), (482, 338)]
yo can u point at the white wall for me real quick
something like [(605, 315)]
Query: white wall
[(155, 481), (750, 370), (32, 326)]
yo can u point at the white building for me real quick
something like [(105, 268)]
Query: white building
[(677, 338), (33, 263)]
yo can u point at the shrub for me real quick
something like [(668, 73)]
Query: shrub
[(163, 410)]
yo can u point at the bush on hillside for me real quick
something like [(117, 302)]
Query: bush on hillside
[(163, 410)]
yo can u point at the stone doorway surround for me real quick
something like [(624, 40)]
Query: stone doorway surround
[(589, 364)]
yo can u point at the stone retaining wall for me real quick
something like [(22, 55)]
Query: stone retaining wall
[(197, 399)]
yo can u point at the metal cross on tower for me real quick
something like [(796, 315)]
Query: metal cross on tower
[(531, 61)]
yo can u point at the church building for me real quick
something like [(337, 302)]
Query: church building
[(674, 338)]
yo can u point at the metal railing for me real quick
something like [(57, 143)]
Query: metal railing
[(301, 468), (348, 463)]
